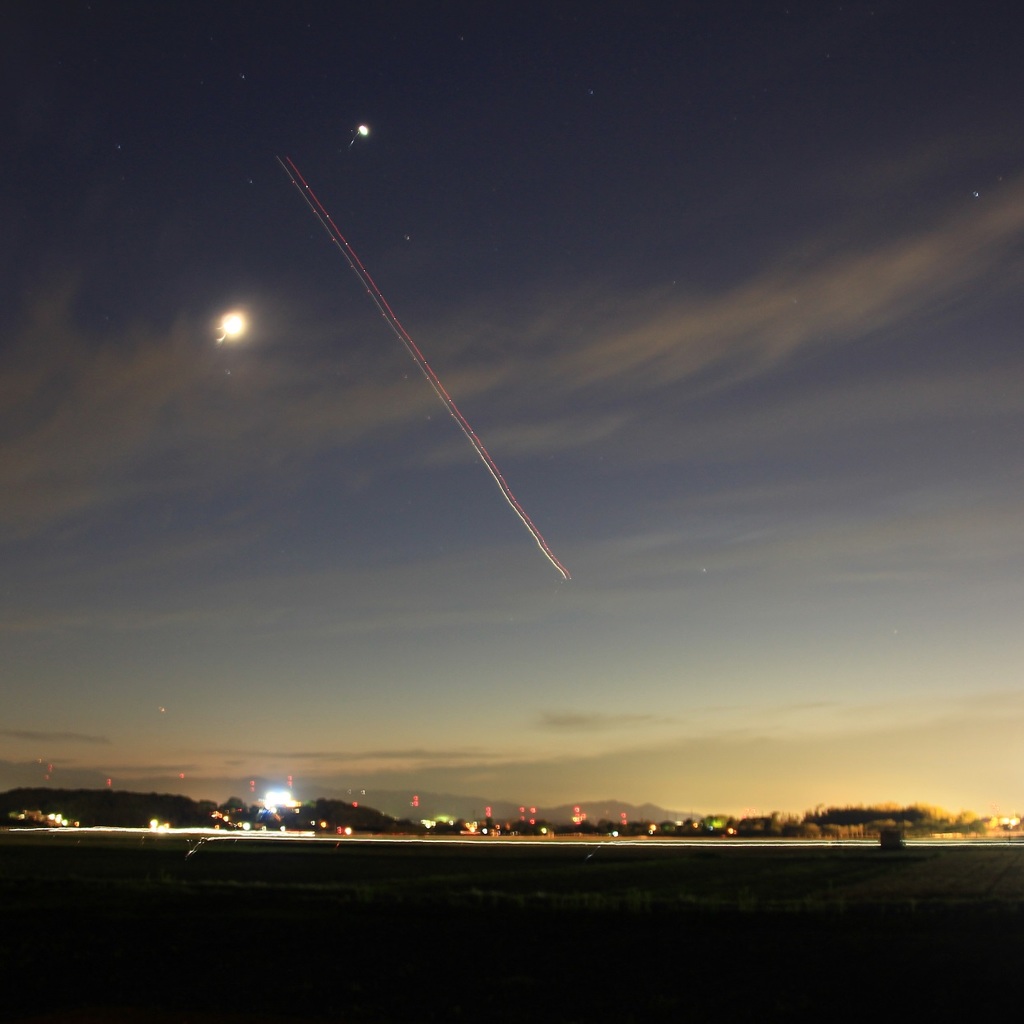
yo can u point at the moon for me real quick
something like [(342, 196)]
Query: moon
[(232, 327)]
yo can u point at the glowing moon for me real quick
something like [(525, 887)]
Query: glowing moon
[(232, 327)]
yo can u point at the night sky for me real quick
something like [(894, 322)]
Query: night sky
[(732, 293)]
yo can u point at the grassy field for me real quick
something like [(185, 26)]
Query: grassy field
[(102, 927)]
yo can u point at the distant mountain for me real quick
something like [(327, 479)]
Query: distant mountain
[(398, 804), (613, 810)]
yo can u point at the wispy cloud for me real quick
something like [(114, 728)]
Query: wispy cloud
[(607, 354), (580, 721), (377, 759), (92, 423), (89, 423), (33, 736)]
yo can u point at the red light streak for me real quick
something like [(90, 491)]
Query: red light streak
[(339, 240)]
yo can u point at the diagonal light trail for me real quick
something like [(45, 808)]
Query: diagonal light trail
[(339, 240)]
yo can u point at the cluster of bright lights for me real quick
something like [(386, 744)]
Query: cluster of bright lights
[(277, 798), (53, 820)]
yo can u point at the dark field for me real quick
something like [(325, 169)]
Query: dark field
[(104, 927)]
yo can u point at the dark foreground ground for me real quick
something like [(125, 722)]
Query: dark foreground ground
[(100, 928)]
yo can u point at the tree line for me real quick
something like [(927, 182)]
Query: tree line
[(124, 809)]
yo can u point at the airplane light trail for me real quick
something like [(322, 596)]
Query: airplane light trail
[(339, 240)]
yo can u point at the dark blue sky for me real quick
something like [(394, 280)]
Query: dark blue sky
[(731, 292)]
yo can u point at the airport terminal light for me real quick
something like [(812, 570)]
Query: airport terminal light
[(276, 798)]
